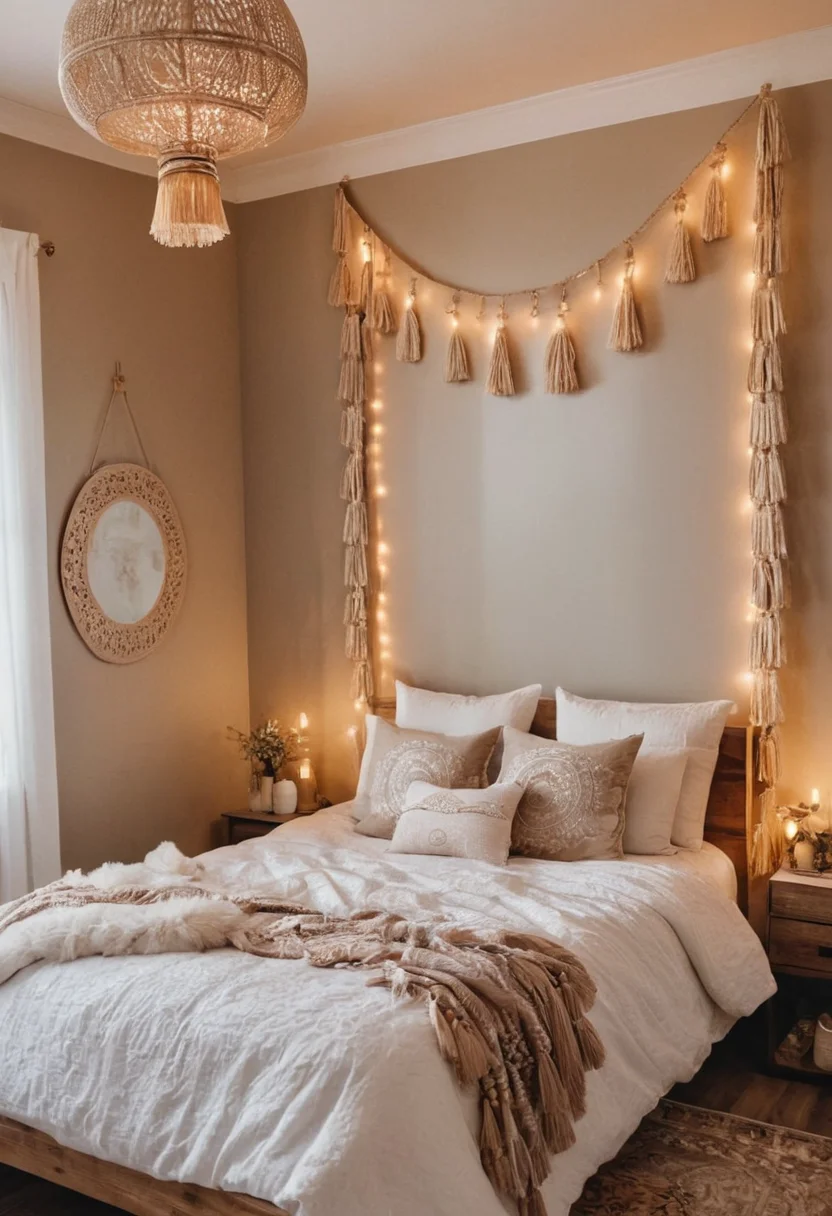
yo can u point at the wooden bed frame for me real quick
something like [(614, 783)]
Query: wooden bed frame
[(729, 824)]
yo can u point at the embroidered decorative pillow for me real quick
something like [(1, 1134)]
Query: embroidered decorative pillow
[(395, 758), (475, 824), (697, 726), (572, 807)]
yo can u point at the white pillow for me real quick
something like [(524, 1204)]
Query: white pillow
[(446, 713), (474, 824), (697, 726), (652, 798)]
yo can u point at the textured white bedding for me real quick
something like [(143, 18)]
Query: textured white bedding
[(709, 863), (311, 1090)]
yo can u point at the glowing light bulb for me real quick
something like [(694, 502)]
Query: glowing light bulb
[(383, 570), (378, 405), (455, 322), (815, 798), (790, 828), (305, 770), (382, 598), (381, 616), (597, 294), (408, 302), (386, 656), (352, 731), (377, 428), (381, 491), (366, 251), (725, 169), (383, 547), (748, 676), (385, 639), (303, 722), (358, 706)]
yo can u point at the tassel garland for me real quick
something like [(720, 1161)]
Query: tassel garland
[(456, 363), (626, 334), (767, 479), (769, 843), (770, 758), (765, 373), (340, 226), (409, 339), (766, 705), (768, 420), (767, 320), (500, 382), (340, 286), (383, 318), (768, 538), (772, 144), (681, 267), (768, 250), (561, 375), (715, 211), (766, 646)]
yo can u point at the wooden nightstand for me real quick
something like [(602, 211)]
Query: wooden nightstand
[(800, 953), (247, 825)]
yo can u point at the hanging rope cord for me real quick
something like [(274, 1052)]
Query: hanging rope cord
[(595, 264), (119, 390)]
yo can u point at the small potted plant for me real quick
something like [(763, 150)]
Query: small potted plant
[(268, 748)]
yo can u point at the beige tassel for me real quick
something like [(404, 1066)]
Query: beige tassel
[(340, 227), (681, 267), (383, 317), (768, 538), (352, 426), (769, 839), (189, 210), (355, 566), (768, 767), (768, 200), (362, 682), (561, 376), (768, 250), (409, 339), (715, 212), (768, 420), (355, 524), (357, 647), (769, 585), (340, 286), (351, 386), (355, 607), (765, 651), (365, 291), (766, 706), (500, 382), (772, 143), (767, 478), (765, 372), (767, 320), (626, 334), (456, 363), (352, 477)]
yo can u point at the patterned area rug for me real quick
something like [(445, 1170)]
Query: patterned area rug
[(684, 1161)]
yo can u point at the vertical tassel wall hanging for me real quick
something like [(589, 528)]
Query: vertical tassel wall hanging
[(340, 287), (383, 317), (626, 334), (561, 376), (500, 382), (352, 393), (456, 363), (715, 211), (365, 291), (681, 267), (409, 339), (770, 578)]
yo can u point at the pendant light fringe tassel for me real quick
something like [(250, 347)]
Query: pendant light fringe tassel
[(681, 267), (715, 212), (456, 363), (626, 334), (768, 198), (409, 338), (189, 209), (500, 382), (561, 372), (769, 427)]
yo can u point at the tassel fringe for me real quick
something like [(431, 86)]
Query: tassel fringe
[(340, 287), (456, 363), (765, 650), (769, 426), (626, 334), (767, 480), (767, 320), (765, 372), (500, 382), (383, 317), (409, 339), (766, 706), (769, 844), (561, 374), (715, 212), (681, 267), (340, 227), (769, 760)]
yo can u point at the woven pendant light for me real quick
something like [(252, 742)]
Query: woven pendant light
[(189, 82)]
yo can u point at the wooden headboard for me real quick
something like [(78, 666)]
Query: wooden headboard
[(730, 820)]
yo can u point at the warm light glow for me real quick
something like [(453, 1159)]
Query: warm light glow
[(377, 428), (378, 405), (815, 798), (408, 302), (383, 570), (381, 616), (385, 639), (378, 368), (306, 770), (382, 597), (455, 322), (381, 491), (383, 547), (367, 252), (725, 169), (352, 731), (790, 828), (303, 722), (359, 705), (748, 676), (597, 293), (386, 656)]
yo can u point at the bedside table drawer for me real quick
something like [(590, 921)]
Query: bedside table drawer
[(796, 943), (802, 902)]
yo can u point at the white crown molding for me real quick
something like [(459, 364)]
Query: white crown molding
[(724, 76)]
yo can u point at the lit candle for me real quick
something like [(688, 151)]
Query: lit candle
[(815, 798), (305, 770), (303, 723), (790, 829)]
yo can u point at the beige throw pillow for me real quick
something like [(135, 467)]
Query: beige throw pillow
[(475, 824), (395, 758), (572, 807)]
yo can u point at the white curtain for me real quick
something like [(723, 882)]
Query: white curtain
[(29, 834)]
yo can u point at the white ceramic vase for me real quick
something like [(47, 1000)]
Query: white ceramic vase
[(284, 797), (823, 1043), (804, 855), (266, 786)]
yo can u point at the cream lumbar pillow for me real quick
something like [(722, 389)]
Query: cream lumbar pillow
[(652, 798), (474, 824), (572, 807), (452, 714), (395, 758), (697, 726)]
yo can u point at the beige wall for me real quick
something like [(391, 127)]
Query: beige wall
[(598, 541), (142, 754)]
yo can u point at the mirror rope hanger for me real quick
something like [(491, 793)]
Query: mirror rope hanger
[(119, 390)]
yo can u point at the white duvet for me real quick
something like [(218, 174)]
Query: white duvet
[(307, 1088)]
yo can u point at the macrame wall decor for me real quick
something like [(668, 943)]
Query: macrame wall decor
[(367, 297)]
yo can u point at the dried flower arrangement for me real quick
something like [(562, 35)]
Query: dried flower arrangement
[(268, 747)]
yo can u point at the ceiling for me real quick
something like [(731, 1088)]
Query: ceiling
[(379, 65)]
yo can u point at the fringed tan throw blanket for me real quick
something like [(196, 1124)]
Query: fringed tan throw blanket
[(508, 1009)]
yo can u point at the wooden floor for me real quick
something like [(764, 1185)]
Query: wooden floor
[(731, 1080)]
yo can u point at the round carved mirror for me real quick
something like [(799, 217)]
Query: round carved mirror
[(123, 562)]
